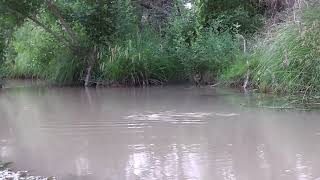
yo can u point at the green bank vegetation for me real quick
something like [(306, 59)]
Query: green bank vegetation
[(123, 42), (286, 59), (268, 45)]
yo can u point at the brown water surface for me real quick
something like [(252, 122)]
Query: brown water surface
[(155, 133)]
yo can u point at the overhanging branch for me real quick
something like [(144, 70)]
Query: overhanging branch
[(66, 27), (56, 36)]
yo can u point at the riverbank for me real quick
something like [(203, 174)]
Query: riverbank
[(285, 60), (8, 174), (20, 175)]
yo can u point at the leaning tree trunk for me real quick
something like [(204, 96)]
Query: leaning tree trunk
[(93, 56)]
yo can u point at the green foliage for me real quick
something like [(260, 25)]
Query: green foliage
[(2, 48), (206, 52), (183, 30), (238, 20), (34, 50), (291, 59), (96, 18), (139, 61), (235, 74), (197, 42), (66, 67), (209, 55), (126, 18), (288, 60), (7, 24), (40, 56), (243, 14), (129, 52), (20, 7)]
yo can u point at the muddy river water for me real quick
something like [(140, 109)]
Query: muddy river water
[(174, 133)]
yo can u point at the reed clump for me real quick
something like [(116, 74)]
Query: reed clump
[(287, 59)]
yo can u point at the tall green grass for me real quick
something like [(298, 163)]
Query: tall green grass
[(141, 60), (34, 54), (290, 62), (287, 60)]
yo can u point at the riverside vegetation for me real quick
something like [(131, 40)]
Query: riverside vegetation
[(270, 45), (286, 58), (7, 173)]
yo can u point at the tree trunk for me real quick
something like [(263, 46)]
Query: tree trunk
[(66, 27), (93, 56)]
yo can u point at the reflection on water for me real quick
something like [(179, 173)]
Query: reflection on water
[(303, 170), (82, 166), (155, 133)]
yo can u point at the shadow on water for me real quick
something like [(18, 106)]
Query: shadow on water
[(155, 133)]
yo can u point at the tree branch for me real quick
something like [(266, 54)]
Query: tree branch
[(56, 12), (56, 36), (47, 29)]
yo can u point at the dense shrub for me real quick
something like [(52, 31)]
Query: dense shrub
[(229, 13), (204, 52), (208, 56), (202, 42), (40, 56)]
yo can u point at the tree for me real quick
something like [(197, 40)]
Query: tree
[(242, 14), (157, 12), (95, 17)]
